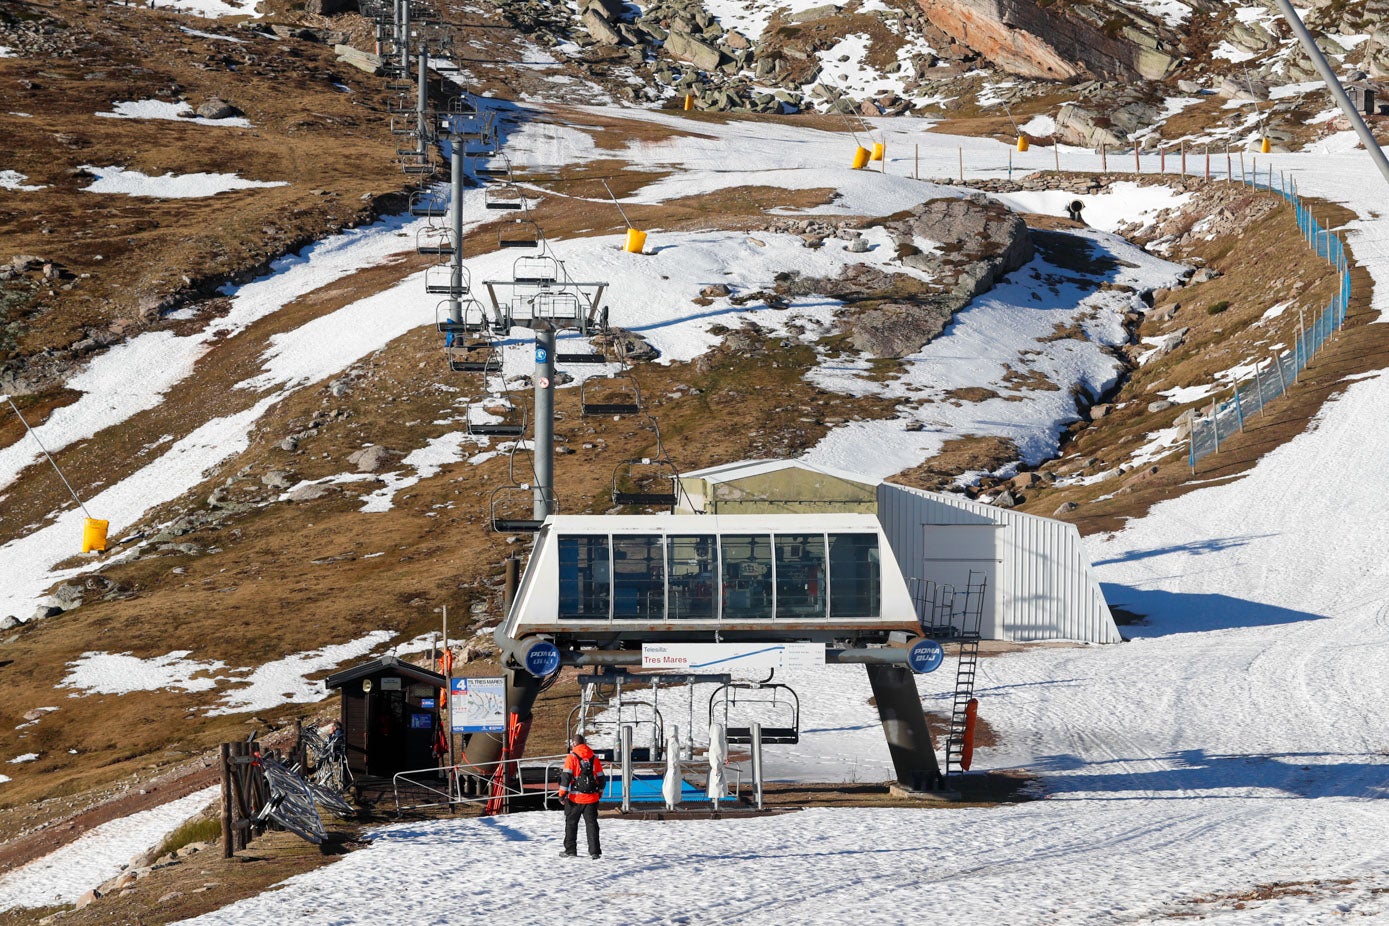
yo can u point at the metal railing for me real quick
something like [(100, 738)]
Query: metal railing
[(1271, 377), (454, 790)]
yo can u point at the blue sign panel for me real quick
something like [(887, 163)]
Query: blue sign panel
[(540, 355), (925, 656), (542, 659)]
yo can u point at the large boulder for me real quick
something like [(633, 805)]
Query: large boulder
[(686, 47), (1040, 39), (600, 28), (361, 60)]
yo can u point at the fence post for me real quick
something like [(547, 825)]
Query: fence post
[(1162, 160), (1191, 446), (1183, 157), (1258, 387), (1010, 164), (228, 818), (1282, 380), (1215, 425), (1242, 178), (962, 163), (1208, 162), (1137, 165), (1239, 409), (1104, 158), (1056, 153), (916, 166), (1300, 344)]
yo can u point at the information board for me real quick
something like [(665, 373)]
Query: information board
[(477, 705)]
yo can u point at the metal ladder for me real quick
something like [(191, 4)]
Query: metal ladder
[(965, 671)]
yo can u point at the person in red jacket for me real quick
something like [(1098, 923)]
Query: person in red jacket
[(580, 787)]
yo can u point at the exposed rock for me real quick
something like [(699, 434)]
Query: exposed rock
[(715, 291), (697, 52), (1064, 508), (371, 459), (86, 899), (1057, 42), (10, 622), (217, 108), (329, 7), (599, 27), (1005, 499), (361, 60), (1099, 411), (1161, 405), (278, 479), (68, 595), (307, 493), (815, 13), (611, 10)]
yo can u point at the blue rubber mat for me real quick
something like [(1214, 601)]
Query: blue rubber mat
[(646, 789)]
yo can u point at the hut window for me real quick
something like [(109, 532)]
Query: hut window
[(747, 576), (800, 575), (694, 578), (584, 578), (855, 582), (639, 578)]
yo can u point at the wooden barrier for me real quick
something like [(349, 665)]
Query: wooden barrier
[(244, 793)]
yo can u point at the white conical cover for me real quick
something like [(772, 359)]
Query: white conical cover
[(718, 755), (672, 786)]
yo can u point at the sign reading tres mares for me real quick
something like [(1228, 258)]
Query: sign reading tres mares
[(731, 657)]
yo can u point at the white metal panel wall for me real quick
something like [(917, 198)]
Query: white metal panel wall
[(1044, 590)]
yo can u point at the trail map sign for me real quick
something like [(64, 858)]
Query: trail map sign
[(477, 705)]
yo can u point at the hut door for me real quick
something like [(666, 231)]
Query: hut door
[(951, 553)]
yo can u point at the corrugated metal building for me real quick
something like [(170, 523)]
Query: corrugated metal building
[(1038, 583)]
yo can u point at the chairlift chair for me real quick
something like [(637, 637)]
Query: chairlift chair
[(561, 309), (465, 358), (622, 397), (635, 483), (417, 165), (498, 167), (504, 196), (775, 701), (522, 233), (434, 241), (537, 270), (429, 204), (512, 423), (512, 506), (404, 123), (461, 106), (580, 357), (472, 318), (438, 280)]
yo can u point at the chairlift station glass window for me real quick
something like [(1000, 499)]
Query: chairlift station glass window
[(732, 572)]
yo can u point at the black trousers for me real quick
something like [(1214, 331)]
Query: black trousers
[(572, 813)]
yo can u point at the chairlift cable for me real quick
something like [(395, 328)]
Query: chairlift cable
[(54, 462)]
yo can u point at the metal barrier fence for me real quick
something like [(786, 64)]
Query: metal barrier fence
[(1274, 375)]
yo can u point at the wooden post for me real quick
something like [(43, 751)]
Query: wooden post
[(962, 163), (1104, 158), (1183, 157), (882, 163), (1056, 153), (1208, 162), (1241, 168), (1229, 168), (1162, 160), (228, 818), (239, 797), (916, 163), (1137, 165)]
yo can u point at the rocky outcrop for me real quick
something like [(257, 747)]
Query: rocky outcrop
[(1058, 40), (361, 60), (981, 241)]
